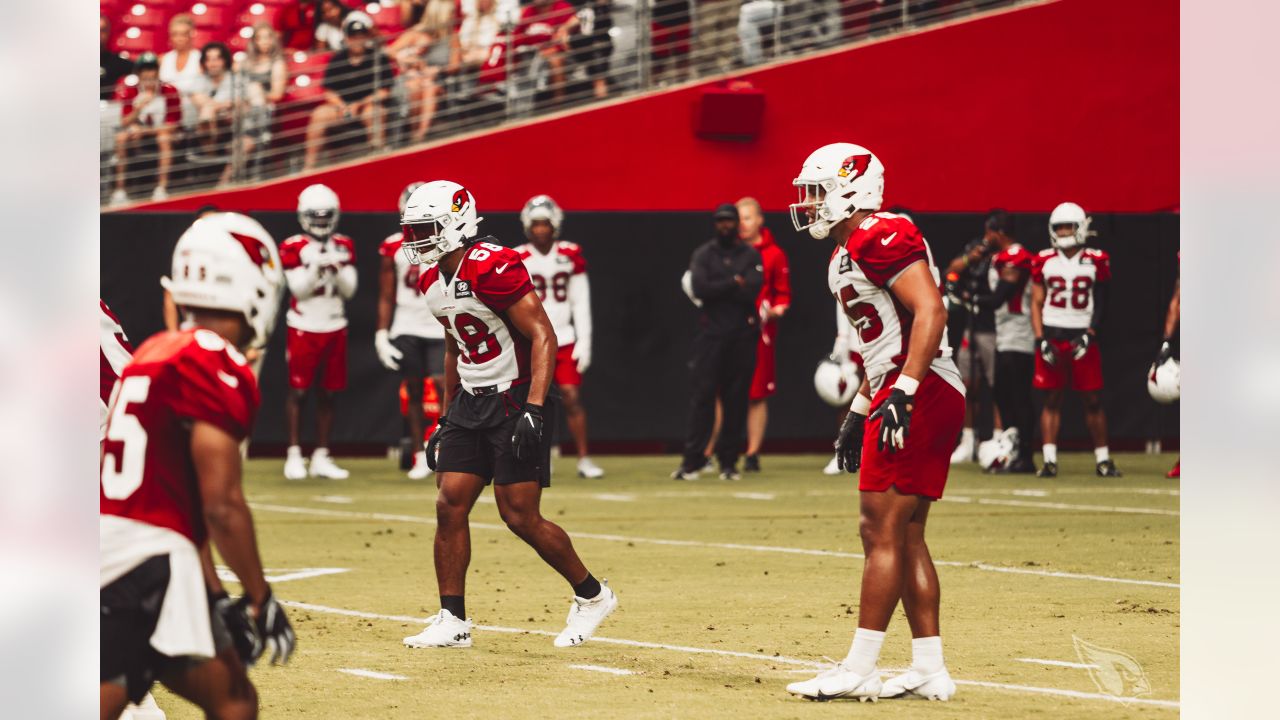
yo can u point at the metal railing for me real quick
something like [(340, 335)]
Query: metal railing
[(648, 44)]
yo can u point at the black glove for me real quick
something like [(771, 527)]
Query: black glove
[(433, 443), (895, 420), (1080, 345), (235, 617), (273, 628), (849, 442), (1047, 353), (527, 437), (1166, 352)]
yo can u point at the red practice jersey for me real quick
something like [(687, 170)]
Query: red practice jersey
[(472, 306), (552, 275), (1068, 284), (538, 25), (777, 276), (175, 379), (1013, 319), (164, 108)]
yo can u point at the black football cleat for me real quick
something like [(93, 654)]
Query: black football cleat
[(1048, 470), (1021, 467), (685, 474), (1107, 468), (751, 464), (730, 473)]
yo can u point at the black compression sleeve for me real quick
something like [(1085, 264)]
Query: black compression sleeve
[(1101, 291)]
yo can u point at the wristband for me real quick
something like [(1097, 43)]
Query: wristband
[(908, 385), (861, 404)]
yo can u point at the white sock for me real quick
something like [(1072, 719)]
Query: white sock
[(865, 651), (420, 457), (926, 654), (320, 453), (295, 452), (1051, 453), (1102, 453), (966, 436)]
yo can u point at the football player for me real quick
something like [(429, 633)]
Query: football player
[(114, 353), (319, 265), (559, 275), (499, 399), (1069, 284), (903, 421), (412, 343), (171, 480), (1167, 346)]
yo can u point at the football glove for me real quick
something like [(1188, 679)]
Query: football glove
[(1047, 352), (388, 354), (433, 443), (849, 442), (273, 628), (235, 617), (527, 436), (1080, 345), (895, 420), (582, 355)]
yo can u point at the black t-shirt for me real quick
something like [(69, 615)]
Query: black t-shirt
[(974, 278), (354, 82), (111, 67)]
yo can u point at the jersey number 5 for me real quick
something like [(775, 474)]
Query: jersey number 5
[(862, 315), (122, 473)]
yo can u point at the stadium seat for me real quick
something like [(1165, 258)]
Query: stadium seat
[(238, 39), (134, 40), (204, 36), (386, 18), (212, 17), (145, 15), (256, 12)]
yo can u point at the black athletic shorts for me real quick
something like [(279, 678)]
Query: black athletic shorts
[(420, 356), (477, 438)]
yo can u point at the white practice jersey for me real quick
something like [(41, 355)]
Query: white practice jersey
[(412, 316), (322, 278), (560, 278), (859, 276), (1068, 284), (1013, 318)]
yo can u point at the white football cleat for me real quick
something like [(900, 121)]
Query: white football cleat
[(295, 468), (323, 466), (963, 453), (833, 467), (588, 469), (912, 683), (443, 630), (839, 682), (586, 615), (420, 470)]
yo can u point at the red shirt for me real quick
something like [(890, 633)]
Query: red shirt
[(166, 107), (539, 24), (777, 276), (175, 379)]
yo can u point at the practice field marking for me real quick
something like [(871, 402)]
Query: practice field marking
[(1059, 506), (603, 669), (1058, 663), (1032, 493), (361, 672), (614, 497), (722, 546), (283, 575), (754, 495), (778, 659), (335, 499)]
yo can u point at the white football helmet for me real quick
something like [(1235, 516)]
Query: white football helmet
[(408, 190), (228, 261), (1069, 213), (1164, 381), (318, 210), (1000, 451), (835, 181), (542, 207), (836, 382), (438, 218)]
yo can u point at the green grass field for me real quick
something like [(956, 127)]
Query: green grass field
[(728, 592)]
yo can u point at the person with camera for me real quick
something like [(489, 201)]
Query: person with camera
[(972, 330)]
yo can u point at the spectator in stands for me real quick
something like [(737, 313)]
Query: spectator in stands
[(328, 24), (669, 28), (714, 28), (180, 67), (219, 99), (810, 25), (356, 83), (298, 25), (263, 67), (592, 45), (111, 67), (422, 51), (475, 37), (150, 109), (545, 25), (757, 20)]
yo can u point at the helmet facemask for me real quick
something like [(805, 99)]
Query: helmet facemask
[(317, 222), (1066, 242), (424, 241), (811, 212)]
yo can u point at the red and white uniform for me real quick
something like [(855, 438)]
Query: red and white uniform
[(412, 317), (560, 279), (538, 25), (472, 306), (115, 352), (1013, 319), (164, 108), (1068, 305), (774, 293), (859, 276), (321, 276), (149, 495)]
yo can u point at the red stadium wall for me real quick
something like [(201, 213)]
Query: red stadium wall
[(1024, 108)]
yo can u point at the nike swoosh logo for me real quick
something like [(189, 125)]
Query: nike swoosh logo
[(229, 379), (504, 267), (886, 240)]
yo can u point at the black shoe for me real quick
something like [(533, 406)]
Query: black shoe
[(1107, 468), (684, 473), (751, 464), (1048, 470), (704, 467), (730, 473), (1021, 467)]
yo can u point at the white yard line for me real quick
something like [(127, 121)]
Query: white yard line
[(613, 497), (1059, 506), (722, 546), (1057, 663), (603, 669), (754, 495), (279, 576), (777, 659), (361, 672), (334, 499)]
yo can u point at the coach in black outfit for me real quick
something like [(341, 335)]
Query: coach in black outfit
[(727, 275)]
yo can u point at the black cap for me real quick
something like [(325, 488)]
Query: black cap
[(145, 61), (726, 211), (356, 22)]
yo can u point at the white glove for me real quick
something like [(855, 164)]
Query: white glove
[(388, 354), (582, 354)]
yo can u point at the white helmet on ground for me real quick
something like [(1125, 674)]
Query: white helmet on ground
[(1000, 451), (1069, 213), (835, 181), (1164, 381), (228, 261), (408, 190), (438, 218), (836, 382), (542, 207), (318, 210)]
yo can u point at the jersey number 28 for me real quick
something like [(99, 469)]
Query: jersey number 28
[(1079, 293)]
